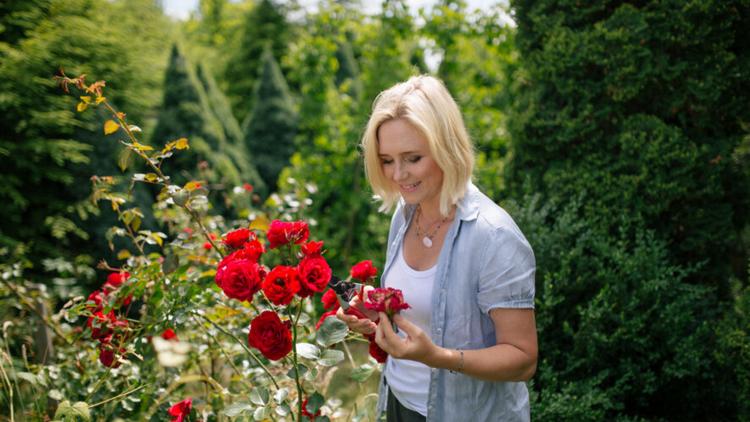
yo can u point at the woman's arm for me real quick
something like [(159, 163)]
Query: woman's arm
[(513, 358)]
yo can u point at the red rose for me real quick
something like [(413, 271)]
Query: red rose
[(281, 284), (330, 300), (101, 325), (251, 250), (207, 246), (306, 412), (269, 335), (98, 297), (108, 358), (114, 280), (323, 317), (363, 271), (169, 334), (312, 248), (386, 300), (237, 238), (239, 278), (248, 187), (282, 232), (376, 352), (314, 274), (179, 411)]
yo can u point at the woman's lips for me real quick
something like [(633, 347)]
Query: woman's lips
[(409, 188)]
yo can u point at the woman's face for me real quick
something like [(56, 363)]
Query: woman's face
[(406, 161)]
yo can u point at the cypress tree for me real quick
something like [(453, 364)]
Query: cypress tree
[(235, 143), (624, 120), (186, 112), (265, 25), (272, 125)]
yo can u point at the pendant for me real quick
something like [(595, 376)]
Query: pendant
[(427, 242)]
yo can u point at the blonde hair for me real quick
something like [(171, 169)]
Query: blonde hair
[(425, 103)]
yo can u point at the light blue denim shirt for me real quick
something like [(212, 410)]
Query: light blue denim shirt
[(485, 263)]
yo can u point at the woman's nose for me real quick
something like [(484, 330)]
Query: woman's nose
[(399, 172)]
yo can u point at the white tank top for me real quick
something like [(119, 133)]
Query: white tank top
[(409, 380)]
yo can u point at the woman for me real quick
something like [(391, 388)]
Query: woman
[(468, 342)]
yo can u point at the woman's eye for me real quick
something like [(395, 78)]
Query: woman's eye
[(386, 162), (414, 159)]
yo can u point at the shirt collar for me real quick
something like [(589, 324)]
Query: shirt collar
[(468, 206)]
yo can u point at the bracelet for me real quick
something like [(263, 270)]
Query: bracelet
[(460, 362)]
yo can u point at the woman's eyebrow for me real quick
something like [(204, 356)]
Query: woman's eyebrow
[(402, 153)]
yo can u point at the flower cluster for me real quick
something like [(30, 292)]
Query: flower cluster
[(241, 274), (106, 328)]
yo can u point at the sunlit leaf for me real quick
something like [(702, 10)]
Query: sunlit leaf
[(259, 396), (86, 99), (363, 372), (331, 357), (123, 254), (332, 331), (81, 107), (181, 143), (192, 185), (308, 351), (99, 100), (151, 177), (260, 222), (110, 127), (236, 409)]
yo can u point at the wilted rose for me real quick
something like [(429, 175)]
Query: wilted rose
[(386, 299)]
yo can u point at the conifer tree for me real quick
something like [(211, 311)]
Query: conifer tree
[(186, 112), (265, 24), (271, 127)]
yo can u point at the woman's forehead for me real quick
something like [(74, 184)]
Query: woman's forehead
[(398, 136)]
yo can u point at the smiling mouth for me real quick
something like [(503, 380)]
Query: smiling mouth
[(409, 188)]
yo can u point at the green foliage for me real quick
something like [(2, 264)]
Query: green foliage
[(271, 127), (265, 25), (49, 151), (624, 117)]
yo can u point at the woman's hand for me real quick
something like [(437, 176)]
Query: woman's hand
[(416, 346), (364, 326)]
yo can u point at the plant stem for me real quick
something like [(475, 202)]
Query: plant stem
[(119, 395), (296, 364)]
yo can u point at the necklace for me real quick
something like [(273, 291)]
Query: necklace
[(426, 235)]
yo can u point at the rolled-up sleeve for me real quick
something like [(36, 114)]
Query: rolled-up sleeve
[(506, 279)]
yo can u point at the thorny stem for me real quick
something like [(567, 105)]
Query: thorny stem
[(229, 359), (250, 352), (296, 365)]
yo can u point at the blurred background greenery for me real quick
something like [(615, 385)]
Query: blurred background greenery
[(615, 132)]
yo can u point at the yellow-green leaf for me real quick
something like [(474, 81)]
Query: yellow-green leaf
[(110, 127), (151, 177), (86, 99), (100, 99), (141, 147), (192, 185), (260, 223), (157, 238), (181, 143), (81, 107), (123, 254)]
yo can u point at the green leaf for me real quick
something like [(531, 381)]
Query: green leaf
[(331, 357), (363, 372), (260, 413), (332, 331), (259, 396), (308, 351), (79, 409), (280, 395), (314, 403), (282, 409), (235, 409), (302, 371)]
